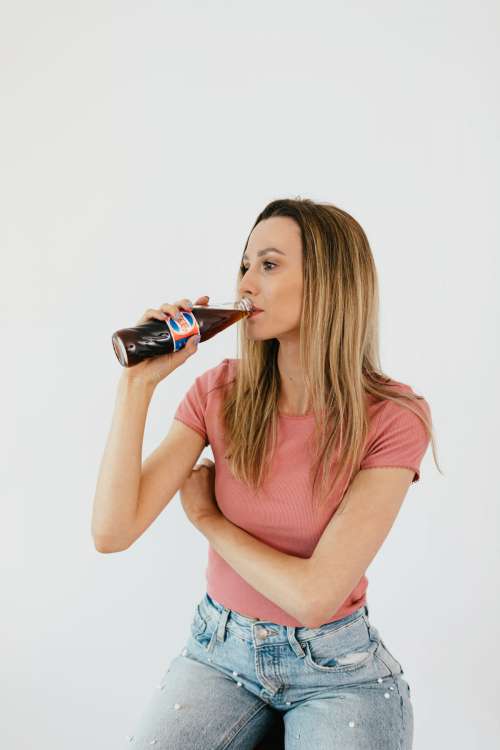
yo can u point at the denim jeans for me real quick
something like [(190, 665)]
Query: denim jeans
[(336, 686)]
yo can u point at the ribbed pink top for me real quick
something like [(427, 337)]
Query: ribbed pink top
[(281, 514)]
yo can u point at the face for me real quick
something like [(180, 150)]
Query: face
[(273, 281)]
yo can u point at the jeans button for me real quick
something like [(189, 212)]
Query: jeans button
[(261, 633)]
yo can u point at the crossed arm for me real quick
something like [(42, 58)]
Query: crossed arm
[(312, 589)]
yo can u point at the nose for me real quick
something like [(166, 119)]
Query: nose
[(247, 287)]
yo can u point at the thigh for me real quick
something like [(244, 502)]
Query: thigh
[(359, 717), (197, 706)]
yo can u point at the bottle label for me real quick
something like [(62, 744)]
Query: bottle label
[(183, 329)]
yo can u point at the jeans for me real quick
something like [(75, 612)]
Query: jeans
[(336, 686)]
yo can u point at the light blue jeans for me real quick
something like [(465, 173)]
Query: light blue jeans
[(335, 687)]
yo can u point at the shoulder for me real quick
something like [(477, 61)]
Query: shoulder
[(384, 410), (387, 412), (218, 375)]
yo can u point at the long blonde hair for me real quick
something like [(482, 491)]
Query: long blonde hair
[(339, 355)]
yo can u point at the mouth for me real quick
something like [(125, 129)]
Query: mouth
[(255, 312)]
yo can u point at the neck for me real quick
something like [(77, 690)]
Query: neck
[(293, 397)]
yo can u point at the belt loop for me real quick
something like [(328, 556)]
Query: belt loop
[(221, 625), (292, 640)]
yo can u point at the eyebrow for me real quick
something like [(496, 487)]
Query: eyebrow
[(264, 252)]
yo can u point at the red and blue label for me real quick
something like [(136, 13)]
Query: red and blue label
[(183, 329)]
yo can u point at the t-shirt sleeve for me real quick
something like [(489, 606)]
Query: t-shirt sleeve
[(192, 409), (400, 439)]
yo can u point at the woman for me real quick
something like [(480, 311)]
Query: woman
[(294, 507)]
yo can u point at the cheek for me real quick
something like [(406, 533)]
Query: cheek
[(292, 302), (285, 311)]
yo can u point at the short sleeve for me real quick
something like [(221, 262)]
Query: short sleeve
[(400, 438), (192, 409)]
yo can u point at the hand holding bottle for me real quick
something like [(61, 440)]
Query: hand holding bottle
[(154, 369), (170, 329)]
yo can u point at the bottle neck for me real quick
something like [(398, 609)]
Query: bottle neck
[(242, 304)]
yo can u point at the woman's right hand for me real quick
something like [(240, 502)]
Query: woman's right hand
[(154, 369)]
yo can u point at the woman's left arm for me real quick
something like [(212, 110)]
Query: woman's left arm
[(310, 589), (280, 577)]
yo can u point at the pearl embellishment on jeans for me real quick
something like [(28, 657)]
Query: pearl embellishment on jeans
[(387, 695), (351, 723), (380, 679)]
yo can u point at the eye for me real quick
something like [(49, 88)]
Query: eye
[(243, 268)]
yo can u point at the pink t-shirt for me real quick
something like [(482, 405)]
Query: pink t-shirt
[(281, 514)]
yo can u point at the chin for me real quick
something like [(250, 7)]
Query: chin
[(256, 337), (259, 337)]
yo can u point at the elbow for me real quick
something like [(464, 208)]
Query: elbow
[(309, 614), (314, 619), (106, 544), (317, 613), (310, 620), (311, 608), (319, 599)]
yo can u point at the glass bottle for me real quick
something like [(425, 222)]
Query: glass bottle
[(156, 337)]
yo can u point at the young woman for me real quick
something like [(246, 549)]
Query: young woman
[(295, 507)]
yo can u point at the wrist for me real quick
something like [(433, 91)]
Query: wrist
[(136, 383), (208, 522)]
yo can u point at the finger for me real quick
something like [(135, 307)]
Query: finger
[(168, 309), (175, 308), (202, 300), (153, 313), (207, 463), (185, 304)]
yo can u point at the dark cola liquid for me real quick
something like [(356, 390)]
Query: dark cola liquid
[(157, 337)]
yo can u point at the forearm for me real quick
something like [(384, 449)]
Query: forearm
[(117, 490), (282, 578)]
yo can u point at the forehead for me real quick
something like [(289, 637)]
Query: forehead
[(278, 233)]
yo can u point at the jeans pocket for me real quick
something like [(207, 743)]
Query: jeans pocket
[(198, 623), (202, 627), (344, 649)]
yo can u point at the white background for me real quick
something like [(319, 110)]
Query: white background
[(139, 142)]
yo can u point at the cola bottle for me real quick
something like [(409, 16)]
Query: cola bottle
[(157, 337)]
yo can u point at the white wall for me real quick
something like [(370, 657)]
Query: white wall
[(139, 142)]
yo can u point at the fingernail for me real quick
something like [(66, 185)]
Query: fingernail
[(197, 339)]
